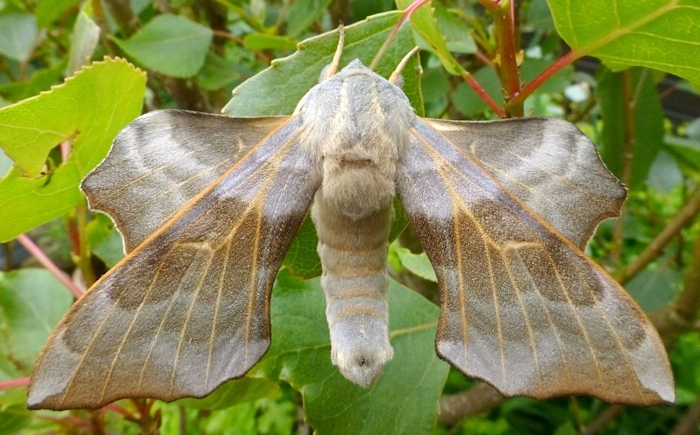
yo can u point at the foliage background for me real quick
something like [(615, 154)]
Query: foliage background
[(645, 122)]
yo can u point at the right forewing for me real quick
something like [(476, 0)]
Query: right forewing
[(189, 308)]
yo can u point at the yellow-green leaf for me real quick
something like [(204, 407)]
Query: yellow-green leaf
[(88, 110), (660, 34)]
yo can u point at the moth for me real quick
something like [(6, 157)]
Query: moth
[(208, 206)]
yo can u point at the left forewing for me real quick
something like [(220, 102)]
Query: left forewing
[(521, 306), (189, 308)]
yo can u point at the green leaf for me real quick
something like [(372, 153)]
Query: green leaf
[(32, 302), (684, 359), (468, 102), (48, 11), (301, 259), (664, 173), (537, 15), (13, 419), (83, 41), (302, 13), (40, 81), (531, 68), (457, 35), (233, 393), (405, 397), (263, 41), (169, 44), (647, 119), (104, 240), (419, 264), (686, 151), (278, 89), (17, 34), (655, 287), (217, 72), (660, 34), (423, 22), (13, 396), (88, 109)]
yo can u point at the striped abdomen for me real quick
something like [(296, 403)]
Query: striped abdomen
[(353, 255)]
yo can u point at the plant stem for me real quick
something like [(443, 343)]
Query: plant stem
[(545, 75), (608, 414), (471, 81), (688, 302), (14, 383), (484, 58), (504, 29), (395, 31), (84, 249), (628, 103), (489, 5), (37, 253), (477, 400)]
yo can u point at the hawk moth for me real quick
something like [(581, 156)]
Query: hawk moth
[(208, 206)]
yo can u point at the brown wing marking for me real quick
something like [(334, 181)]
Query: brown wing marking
[(546, 163), (522, 307), (163, 160)]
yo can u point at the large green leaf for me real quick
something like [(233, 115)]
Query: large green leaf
[(278, 89), (89, 110), (169, 44), (403, 400), (32, 301), (660, 34), (647, 119)]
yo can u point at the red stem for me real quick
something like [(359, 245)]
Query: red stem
[(503, 20), (471, 81), (118, 409), (487, 61), (545, 75), (37, 253), (14, 383), (490, 5), (395, 30)]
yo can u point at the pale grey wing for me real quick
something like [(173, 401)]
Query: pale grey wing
[(521, 306), (546, 163), (162, 160), (189, 308)]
